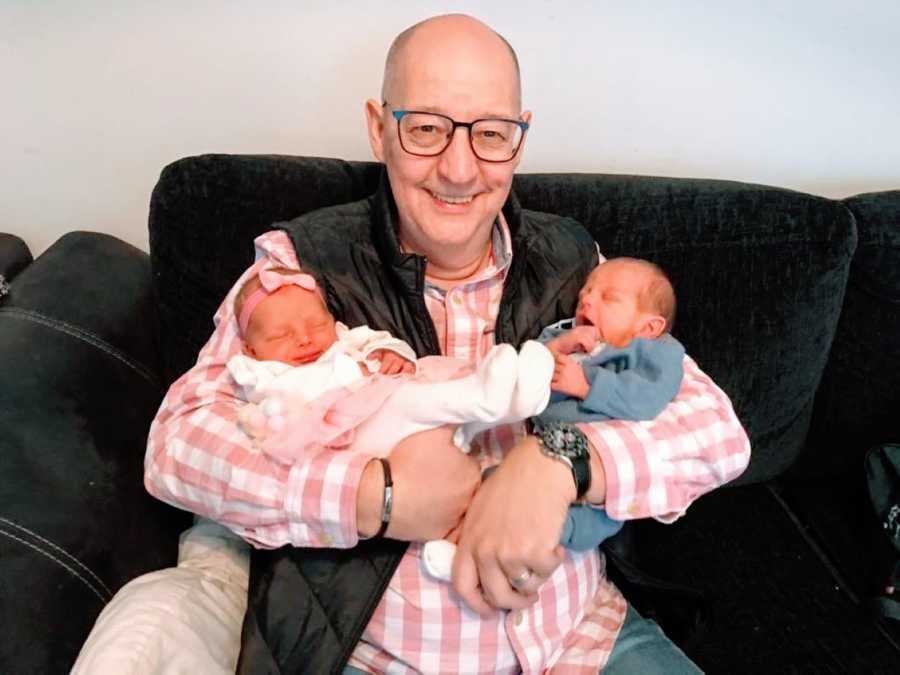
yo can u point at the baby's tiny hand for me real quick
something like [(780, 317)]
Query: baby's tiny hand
[(584, 338), (578, 339), (392, 363), (568, 377)]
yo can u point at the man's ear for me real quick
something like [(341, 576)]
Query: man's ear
[(651, 326), (375, 125)]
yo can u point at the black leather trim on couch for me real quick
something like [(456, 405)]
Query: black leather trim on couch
[(80, 362)]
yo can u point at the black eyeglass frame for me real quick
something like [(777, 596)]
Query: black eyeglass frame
[(400, 114)]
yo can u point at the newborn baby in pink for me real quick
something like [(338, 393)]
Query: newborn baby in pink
[(310, 381)]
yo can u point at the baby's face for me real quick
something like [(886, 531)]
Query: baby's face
[(292, 326), (609, 301)]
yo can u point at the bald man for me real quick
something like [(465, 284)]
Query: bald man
[(446, 259)]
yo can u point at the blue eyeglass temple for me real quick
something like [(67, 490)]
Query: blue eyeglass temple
[(400, 114)]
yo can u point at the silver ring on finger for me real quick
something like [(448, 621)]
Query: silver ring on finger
[(521, 579)]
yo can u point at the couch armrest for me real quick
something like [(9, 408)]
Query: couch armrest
[(858, 401), (80, 363), (14, 256)]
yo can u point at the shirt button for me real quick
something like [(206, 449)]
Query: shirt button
[(633, 508), (327, 539), (457, 300), (517, 618)]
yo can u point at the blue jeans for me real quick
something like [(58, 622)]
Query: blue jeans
[(641, 648)]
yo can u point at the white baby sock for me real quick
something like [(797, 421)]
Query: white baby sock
[(532, 391), (437, 557)]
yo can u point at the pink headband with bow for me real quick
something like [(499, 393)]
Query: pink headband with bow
[(271, 281)]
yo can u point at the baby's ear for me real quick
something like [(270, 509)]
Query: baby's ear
[(247, 349), (651, 326)]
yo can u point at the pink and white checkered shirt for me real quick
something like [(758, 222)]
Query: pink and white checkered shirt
[(198, 459)]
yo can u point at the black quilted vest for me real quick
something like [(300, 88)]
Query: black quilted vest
[(308, 607)]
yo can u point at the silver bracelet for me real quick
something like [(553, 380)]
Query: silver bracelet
[(388, 502)]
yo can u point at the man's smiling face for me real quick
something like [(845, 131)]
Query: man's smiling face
[(448, 203)]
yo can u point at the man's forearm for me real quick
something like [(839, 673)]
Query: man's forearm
[(200, 461), (657, 468)]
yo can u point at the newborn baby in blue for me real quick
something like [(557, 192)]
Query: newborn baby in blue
[(615, 359)]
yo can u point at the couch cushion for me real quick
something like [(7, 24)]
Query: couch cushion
[(775, 603), (760, 272)]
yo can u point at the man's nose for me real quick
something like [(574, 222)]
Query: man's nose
[(458, 164)]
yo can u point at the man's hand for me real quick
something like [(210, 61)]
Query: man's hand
[(513, 525), (433, 485), (568, 377), (578, 339), (392, 363)]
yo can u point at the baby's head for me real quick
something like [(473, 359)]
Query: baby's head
[(282, 317), (625, 298)]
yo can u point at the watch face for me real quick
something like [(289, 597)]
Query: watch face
[(564, 439), (566, 443)]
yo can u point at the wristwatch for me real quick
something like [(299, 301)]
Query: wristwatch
[(567, 443)]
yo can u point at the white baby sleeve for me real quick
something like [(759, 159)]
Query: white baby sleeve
[(255, 377), (362, 340)]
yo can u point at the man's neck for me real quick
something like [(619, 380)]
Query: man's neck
[(450, 274), (446, 271)]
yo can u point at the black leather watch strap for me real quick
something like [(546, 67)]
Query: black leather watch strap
[(581, 472), (567, 443)]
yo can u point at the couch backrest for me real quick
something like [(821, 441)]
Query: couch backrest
[(760, 272), (205, 212)]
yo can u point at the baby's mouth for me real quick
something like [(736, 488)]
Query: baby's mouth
[(306, 358)]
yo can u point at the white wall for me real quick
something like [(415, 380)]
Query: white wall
[(99, 95)]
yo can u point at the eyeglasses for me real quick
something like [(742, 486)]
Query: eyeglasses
[(426, 134)]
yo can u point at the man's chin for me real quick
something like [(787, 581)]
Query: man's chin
[(441, 234)]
